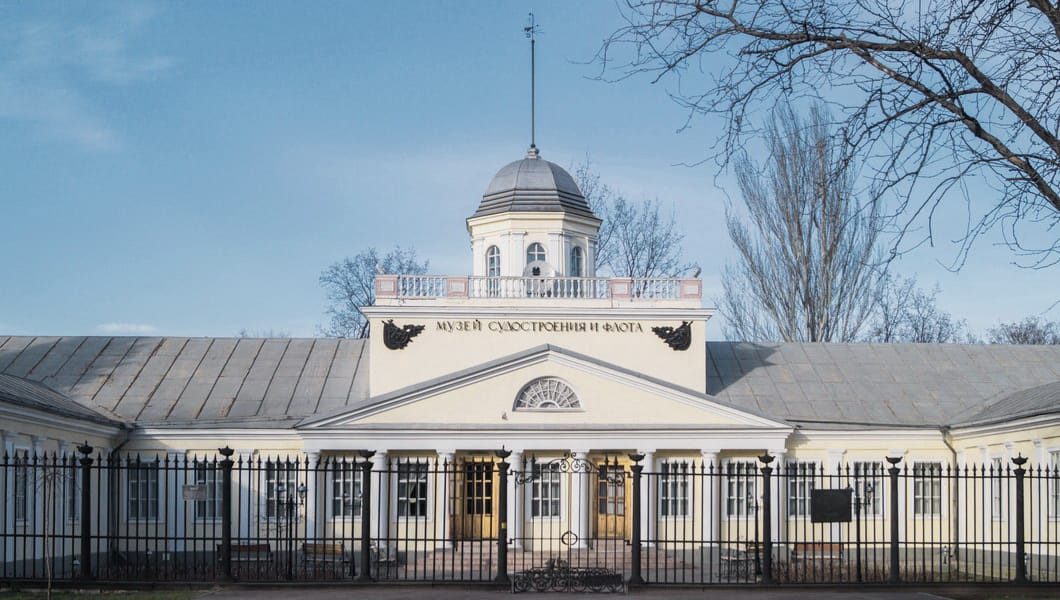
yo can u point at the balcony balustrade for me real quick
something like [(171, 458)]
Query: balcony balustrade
[(427, 287)]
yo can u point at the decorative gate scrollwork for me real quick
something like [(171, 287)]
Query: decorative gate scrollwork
[(560, 493)]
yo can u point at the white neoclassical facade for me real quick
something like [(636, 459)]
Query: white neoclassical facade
[(533, 353)]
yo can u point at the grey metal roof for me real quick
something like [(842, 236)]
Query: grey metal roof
[(1038, 400), (31, 394), (253, 382), (240, 382), (882, 384), (533, 184)]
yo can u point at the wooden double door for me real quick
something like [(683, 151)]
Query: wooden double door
[(612, 493), (475, 484)]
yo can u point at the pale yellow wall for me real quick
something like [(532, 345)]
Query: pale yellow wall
[(603, 401), (437, 352)]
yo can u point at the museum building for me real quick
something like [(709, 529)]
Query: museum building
[(535, 354)]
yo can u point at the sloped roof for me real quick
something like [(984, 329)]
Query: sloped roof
[(244, 382), (31, 394), (253, 382), (826, 385)]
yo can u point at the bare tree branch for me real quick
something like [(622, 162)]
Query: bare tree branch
[(350, 285)]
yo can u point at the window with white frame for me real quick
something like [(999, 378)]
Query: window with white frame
[(997, 469), (800, 475), (346, 490), (209, 476), (71, 491), (545, 490), (741, 488), (1053, 475), (493, 262), (535, 252), (868, 487), (21, 484), (412, 489), (927, 489), (142, 496), (673, 488), (281, 481), (577, 262)]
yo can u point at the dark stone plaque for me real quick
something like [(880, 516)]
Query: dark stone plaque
[(830, 506)]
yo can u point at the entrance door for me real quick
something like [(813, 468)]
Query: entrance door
[(613, 492), (476, 506)]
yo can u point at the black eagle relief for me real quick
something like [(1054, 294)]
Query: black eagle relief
[(679, 338), (395, 337)]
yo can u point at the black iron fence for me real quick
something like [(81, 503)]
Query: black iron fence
[(581, 522)]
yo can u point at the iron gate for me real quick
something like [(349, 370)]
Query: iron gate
[(577, 531)]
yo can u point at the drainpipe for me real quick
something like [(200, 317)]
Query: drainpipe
[(955, 504)]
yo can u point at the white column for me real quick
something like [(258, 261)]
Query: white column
[(832, 471), (37, 503), (711, 502), (581, 499), (313, 501), (515, 504), (516, 253), (242, 501), (779, 517), (176, 503), (962, 499), (380, 525), (447, 466), (9, 510), (556, 254), (1008, 509), (649, 502)]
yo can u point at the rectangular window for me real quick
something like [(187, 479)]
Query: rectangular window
[(412, 489), (1053, 476), (800, 476), (71, 490), (143, 489), (21, 483), (281, 484), (997, 482), (346, 490), (868, 487), (673, 489), (207, 474), (741, 488), (545, 490), (927, 489)]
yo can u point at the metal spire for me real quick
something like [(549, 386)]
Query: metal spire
[(530, 31)]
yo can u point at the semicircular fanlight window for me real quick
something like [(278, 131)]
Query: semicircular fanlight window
[(547, 393)]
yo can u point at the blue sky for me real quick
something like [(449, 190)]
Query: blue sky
[(190, 168)]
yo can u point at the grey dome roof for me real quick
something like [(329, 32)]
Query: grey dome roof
[(533, 184)]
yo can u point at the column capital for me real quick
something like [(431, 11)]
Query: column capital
[(379, 459), (446, 456)]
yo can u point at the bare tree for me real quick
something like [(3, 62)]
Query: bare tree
[(807, 267), (1032, 330), (636, 239), (350, 285), (942, 98), (907, 313)]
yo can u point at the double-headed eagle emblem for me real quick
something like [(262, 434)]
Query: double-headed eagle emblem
[(395, 337), (678, 338)]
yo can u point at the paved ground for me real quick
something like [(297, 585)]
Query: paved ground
[(458, 593)]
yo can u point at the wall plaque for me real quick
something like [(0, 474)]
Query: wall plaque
[(830, 506)]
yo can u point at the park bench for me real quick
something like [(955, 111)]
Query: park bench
[(816, 551), (325, 557)]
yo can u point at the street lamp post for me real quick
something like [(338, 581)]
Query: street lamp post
[(289, 501)]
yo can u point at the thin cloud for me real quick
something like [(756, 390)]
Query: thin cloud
[(42, 75), (126, 328)]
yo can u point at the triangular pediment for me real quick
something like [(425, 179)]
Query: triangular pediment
[(486, 395)]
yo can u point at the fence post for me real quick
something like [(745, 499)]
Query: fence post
[(767, 519), (635, 577), (86, 510), (894, 576), (226, 513), (502, 518), (366, 516), (1021, 551)]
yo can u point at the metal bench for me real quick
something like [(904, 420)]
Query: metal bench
[(325, 557)]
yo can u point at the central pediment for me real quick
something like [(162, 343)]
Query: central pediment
[(541, 387)]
